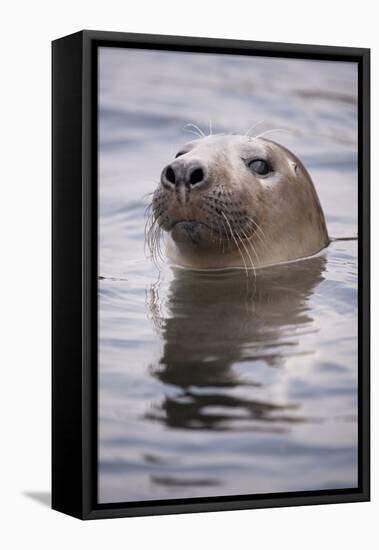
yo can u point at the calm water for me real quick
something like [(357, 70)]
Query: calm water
[(209, 383)]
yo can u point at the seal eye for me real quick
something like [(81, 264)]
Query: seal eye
[(259, 166), (180, 154)]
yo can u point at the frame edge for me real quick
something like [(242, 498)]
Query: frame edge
[(67, 315)]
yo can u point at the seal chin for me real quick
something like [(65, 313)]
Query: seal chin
[(191, 232)]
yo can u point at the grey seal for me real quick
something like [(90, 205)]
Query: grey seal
[(236, 201)]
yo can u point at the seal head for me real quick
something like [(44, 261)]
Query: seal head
[(235, 201)]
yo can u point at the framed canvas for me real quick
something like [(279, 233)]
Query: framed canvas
[(210, 275)]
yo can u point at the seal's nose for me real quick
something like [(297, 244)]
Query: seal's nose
[(180, 173)]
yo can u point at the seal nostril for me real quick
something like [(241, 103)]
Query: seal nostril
[(170, 175), (196, 176)]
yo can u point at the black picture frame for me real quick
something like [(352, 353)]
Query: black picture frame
[(74, 273)]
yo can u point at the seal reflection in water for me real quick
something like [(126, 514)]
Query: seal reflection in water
[(236, 201), (217, 321)]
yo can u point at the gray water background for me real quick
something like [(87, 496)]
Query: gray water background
[(210, 384)]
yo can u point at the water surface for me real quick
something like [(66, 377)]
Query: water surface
[(212, 383)]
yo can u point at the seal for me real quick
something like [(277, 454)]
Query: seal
[(236, 201)]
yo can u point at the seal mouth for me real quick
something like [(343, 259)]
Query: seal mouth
[(190, 231), (189, 225)]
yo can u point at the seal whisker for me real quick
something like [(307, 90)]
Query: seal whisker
[(254, 250), (194, 133), (147, 211), (220, 239), (149, 194), (153, 235), (257, 226), (200, 132), (247, 134), (159, 236), (222, 231), (248, 239), (236, 242), (220, 242), (247, 252), (263, 247), (262, 240), (157, 253), (272, 130), (149, 224), (226, 232)]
